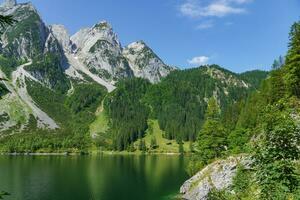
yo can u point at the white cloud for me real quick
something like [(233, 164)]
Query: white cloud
[(199, 60), (205, 25), (216, 8)]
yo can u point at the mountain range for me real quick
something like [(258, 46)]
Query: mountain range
[(55, 82)]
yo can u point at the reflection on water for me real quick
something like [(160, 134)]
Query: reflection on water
[(105, 177)]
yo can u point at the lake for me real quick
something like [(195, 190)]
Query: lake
[(103, 177)]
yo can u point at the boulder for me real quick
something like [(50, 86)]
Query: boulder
[(218, 175)]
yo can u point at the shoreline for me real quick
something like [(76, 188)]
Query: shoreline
[(94, 153)]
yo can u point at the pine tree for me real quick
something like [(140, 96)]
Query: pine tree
[(292, 66), (278, 63), (212, 137)]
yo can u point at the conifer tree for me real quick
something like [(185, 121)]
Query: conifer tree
[(212, 137), (292, 66)]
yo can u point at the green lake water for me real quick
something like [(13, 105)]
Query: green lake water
[(103, 177)]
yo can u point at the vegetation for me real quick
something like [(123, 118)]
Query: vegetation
[(8, 65), (2, 194), (3, 90), (268, 123), (49, 70), (6, 21), (128, 115), (275, 154), (212, 137), (73, 113), (178, 103)]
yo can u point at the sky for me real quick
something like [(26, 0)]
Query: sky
[(238, 35)]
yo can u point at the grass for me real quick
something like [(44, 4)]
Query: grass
[(100, 125), (164, 145)]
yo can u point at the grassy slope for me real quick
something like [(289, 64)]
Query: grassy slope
[(100, 127), (164, 145)]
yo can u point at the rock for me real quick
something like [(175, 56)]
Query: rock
[(100, 50), (145, 63), (218, 175), (9, 3), (61, 34)]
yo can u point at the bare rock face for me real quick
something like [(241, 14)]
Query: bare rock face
[(100, 50), (218, 175), (145, 63), (9, 3), (61, 34)]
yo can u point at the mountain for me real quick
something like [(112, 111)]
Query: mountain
[(66, 84), (145, 63)]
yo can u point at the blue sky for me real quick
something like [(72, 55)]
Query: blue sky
[(239, 35)]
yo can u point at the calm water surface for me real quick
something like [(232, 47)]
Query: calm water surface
[(105, 177)]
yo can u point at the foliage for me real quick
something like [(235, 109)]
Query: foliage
[(3, 90), (212, 137), (128, 115), (217, 195), (85, 96), (73, 113), (142, 146), (238, 140), (292, 66), (242, 183), (278, 63), (2, 194), (254, 77), (9, 64), (49, 70), (5, 21), (44, 141), (275, 153), (153, 144), (179, 101)]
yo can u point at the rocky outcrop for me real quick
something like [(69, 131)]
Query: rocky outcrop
[(61, 34), (145, 63), (218, 175)]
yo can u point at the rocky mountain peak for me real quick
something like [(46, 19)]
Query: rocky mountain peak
[(137, 46), (103, 25), (145, 63), (86, 38)]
